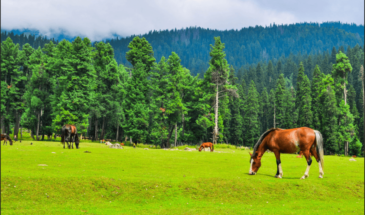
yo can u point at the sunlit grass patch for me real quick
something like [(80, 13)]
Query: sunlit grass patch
[(138, 181)]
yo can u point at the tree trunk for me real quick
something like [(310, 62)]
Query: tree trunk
[(39, 119), (125, 139), (116, 138), (96, 128), (2, 125), (344, 90), (21, 132), (168, 137), (175, 133), (32, 133), (103, 129), (17, 121), (130, 141), (42, 135), (215, 131), (183, 128), (345, 97)]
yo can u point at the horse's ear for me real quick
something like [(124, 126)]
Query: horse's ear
[(250, 154)]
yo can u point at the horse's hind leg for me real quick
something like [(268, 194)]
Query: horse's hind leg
[(314, 153), (309, 162), (279, 172)]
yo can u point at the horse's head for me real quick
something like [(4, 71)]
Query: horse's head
[(77, 141), (255, 162), (200, 148)]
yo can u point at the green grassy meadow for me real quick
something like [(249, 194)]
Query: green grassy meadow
[(155, 181)]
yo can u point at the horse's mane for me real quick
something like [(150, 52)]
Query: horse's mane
[(261, 139)]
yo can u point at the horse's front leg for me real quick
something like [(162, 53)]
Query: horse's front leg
[(279, 172), (309, 162)]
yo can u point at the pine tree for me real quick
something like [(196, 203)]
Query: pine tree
[(136, 104), (346, 128), (10, 78), (298, 86), (217, 75), (305, 104), (333, 56), (316, 107), (280, 103), (107, 71), (76, 83), (265, 111), (242, 102), (339, 72), (270, 76), (259, 78), (329, 120), (251, 120)]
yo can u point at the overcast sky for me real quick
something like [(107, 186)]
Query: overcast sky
[(98, 19)]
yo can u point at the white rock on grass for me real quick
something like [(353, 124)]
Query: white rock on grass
[(352, 159)]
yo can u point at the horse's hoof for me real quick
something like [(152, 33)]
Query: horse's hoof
[(304, 177), (320, 176), (278, 176)]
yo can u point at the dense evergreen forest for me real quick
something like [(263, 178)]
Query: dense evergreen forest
[(243, 47), (162, 102)]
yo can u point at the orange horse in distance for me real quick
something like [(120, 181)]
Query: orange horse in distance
[(206, 145)]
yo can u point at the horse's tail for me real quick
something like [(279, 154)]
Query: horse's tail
[(319, 143)]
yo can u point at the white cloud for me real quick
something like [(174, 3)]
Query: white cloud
[(100, 19)]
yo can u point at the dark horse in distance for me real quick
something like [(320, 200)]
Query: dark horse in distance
[(69, 134), (6, 137), (304, 140)]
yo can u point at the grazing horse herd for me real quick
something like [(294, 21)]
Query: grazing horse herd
[(306, 141)]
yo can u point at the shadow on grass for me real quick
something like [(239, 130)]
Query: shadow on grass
[(273, 176)]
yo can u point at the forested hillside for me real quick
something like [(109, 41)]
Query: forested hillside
[(159, 100), (243, 47)]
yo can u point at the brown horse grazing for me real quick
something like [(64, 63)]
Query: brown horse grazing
[(206, 145), (6, 137), (69, 134), (305, 140)]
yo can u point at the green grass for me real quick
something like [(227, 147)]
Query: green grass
[(155, 181)]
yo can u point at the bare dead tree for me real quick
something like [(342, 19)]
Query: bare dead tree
[(222, 89)]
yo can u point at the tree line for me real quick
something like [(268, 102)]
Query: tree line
[(243, 47), (162, 103)]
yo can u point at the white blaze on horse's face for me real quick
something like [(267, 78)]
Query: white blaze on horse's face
[(251, 167)]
